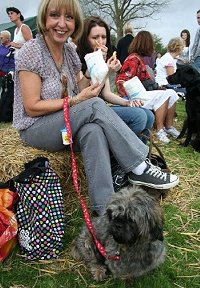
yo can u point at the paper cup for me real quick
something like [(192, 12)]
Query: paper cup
[(65, 138)]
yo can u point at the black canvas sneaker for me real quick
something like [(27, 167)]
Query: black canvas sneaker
[(154, 177)]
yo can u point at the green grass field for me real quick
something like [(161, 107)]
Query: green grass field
[(182, 235)]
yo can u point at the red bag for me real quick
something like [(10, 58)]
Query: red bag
[(8, 222)]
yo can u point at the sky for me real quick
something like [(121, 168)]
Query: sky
[(179, 15)]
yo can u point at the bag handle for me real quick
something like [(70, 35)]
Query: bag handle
[(32, 168), (152, 144)]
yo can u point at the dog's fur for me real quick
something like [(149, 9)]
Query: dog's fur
[(132, 227), (189, 78)]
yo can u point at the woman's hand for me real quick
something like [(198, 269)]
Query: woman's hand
[(89, 92), (114, 64), (135, 103), (103, 48)]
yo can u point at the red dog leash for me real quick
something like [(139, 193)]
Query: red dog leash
[(75, 182)]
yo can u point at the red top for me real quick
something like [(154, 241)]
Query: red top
[(133, 66)]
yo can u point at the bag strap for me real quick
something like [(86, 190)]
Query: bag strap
[(75, 182), (152, 144), (32, 168)]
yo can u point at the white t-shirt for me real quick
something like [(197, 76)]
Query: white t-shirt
[(161, 73)]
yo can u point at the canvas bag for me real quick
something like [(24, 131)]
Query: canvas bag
[(8, 222), (40, 211)]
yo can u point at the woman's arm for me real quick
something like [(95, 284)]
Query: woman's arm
[(113, 98), (26, 32), (170, 70), (34, 106), (31, 90)]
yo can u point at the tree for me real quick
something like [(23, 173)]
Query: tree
[(159, 47), (119, 12)]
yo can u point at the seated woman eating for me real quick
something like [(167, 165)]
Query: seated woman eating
[(163, 102), (96, 35), (41, 66)]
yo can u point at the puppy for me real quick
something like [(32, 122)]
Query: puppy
[(132, 228), (189, 78)]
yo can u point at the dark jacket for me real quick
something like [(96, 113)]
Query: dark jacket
[(122, 47)]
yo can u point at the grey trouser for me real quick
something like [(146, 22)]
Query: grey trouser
[(96, 130)]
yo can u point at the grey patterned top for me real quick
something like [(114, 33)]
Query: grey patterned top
[(34, 56)]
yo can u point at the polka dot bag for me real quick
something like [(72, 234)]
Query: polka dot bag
[(40, 212)]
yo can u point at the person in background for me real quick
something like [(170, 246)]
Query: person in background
[(96, 31), (150, 60), (123, 43), (162, 102), (184, 57), (22, 31), (42, 67), (195, 51), (158, 56), (167, 65), (6, 56)]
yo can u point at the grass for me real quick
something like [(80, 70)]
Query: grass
[(182, 235)]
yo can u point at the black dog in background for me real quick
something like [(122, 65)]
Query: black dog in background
[(189, 78), (6, 99)]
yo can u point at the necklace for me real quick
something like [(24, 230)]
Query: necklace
[(58, 65), (62, 78)]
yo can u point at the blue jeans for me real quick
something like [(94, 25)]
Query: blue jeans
[(196, 64), (136, 118)]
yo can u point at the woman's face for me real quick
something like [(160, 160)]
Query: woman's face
[(59, 25), (13, 16), (184, 36), (97, 36)]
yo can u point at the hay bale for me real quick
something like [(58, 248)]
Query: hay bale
[(14, 154)]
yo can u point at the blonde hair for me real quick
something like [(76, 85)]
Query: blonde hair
[(71, 5), (175, 45), (128, 28), (6, 33)]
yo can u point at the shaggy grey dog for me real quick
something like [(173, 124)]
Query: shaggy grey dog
[(132, 227)]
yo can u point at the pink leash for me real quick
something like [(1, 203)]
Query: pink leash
[(75, 182)]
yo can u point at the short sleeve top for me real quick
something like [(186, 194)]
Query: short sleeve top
[(161, 73), (34, 56)]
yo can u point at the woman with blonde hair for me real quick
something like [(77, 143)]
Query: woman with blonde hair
[(42, 65), (167, 64)]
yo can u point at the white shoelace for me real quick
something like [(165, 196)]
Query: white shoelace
[(156, 172)]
